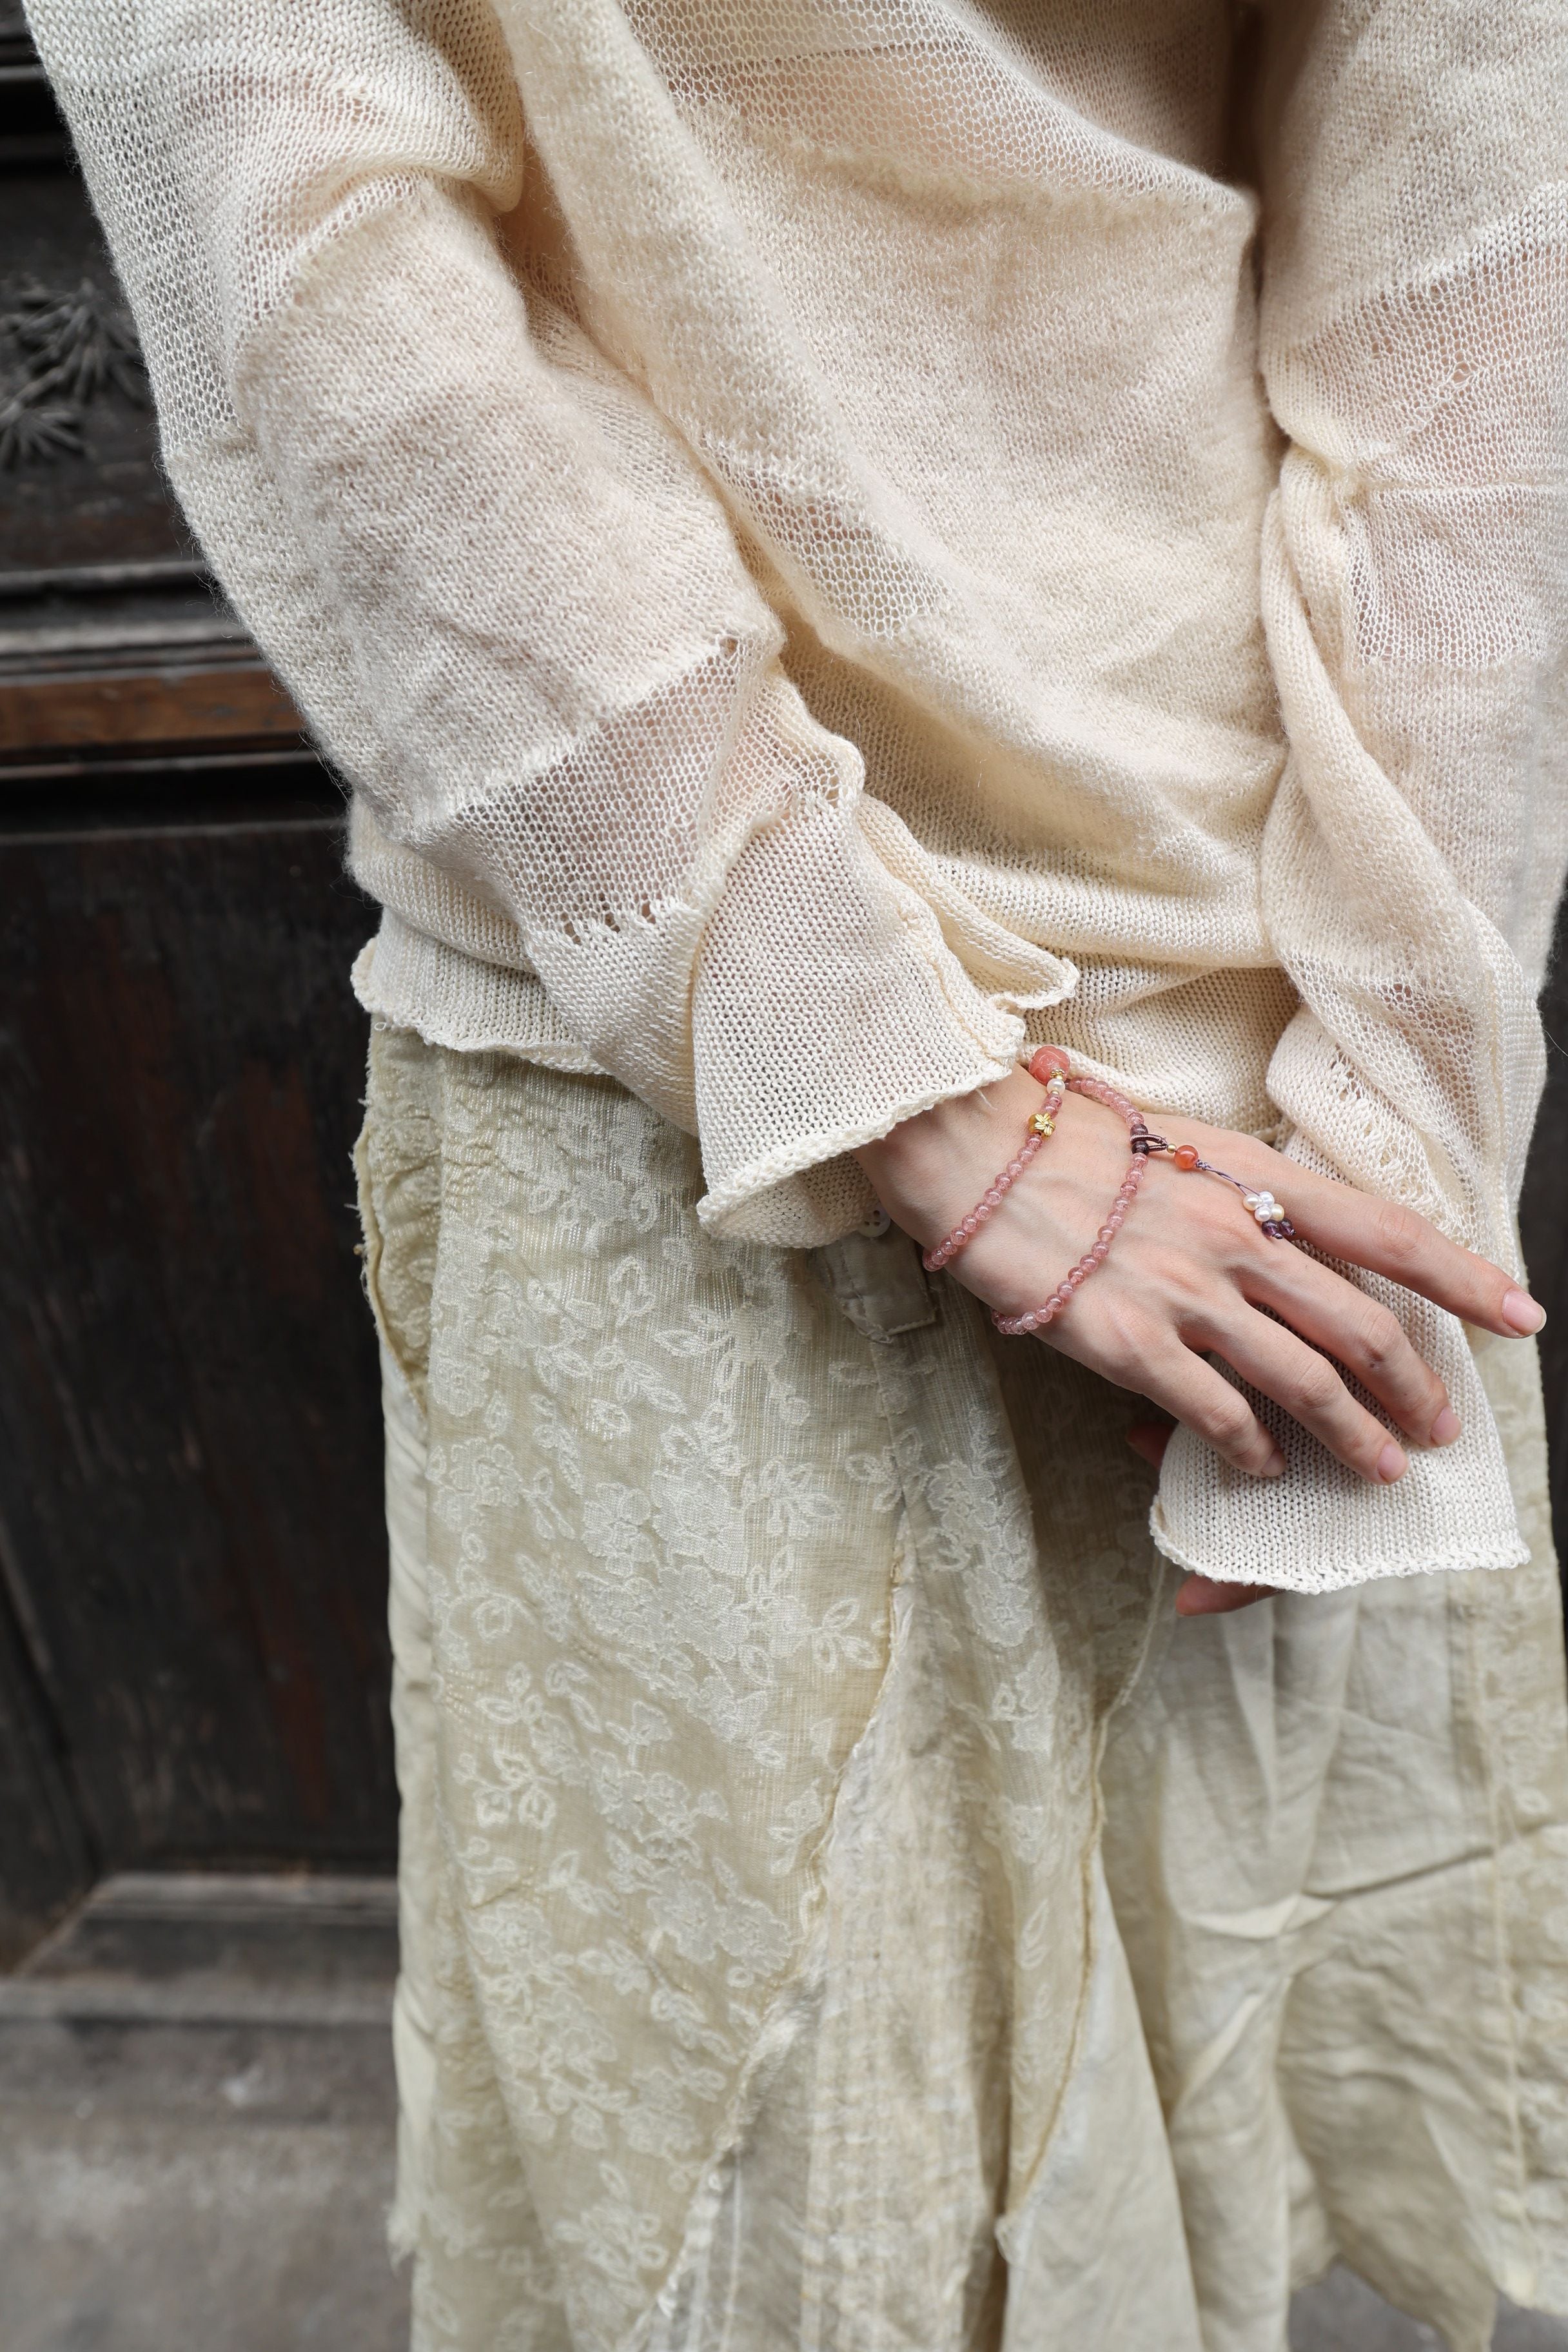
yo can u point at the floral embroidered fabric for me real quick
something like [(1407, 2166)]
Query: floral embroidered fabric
[(843, 1912)]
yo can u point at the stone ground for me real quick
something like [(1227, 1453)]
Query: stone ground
[(197, 2132)]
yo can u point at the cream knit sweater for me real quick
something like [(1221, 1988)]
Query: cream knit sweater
[(825, 534)]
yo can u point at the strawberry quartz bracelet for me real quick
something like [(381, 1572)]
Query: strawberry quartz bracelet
[(1052, 1058), (1055, 1072)]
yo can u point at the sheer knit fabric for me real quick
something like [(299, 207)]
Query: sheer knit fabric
[(815, 559), (843, 1910)]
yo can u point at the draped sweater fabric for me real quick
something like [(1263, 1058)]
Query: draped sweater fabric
[(831, 536)]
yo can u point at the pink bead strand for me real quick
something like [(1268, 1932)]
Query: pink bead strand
[(990, 1201), (1038, 1317)]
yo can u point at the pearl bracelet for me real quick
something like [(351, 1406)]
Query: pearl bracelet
[(1263, 1205)]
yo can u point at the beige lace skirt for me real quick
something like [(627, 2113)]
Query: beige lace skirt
[(843, 1911)]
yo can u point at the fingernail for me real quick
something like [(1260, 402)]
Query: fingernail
[(1522, 1314), (1275, 1465), (1446, 1428), (1391, 1464)]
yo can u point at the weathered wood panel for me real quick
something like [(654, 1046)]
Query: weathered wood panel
[(106, 499), (173, 710), (1544, 1219), (187, 1399), (46, 1861)]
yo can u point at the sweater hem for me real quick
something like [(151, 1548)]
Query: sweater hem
[(438, 1026)]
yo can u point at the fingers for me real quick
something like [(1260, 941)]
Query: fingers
[(1394, 1241), (1193, 1393), (1310, 1391), (1200, 1596), (1196, 1596), (1367, 1339)]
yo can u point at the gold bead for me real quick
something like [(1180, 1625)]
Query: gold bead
[(1041, 1124)]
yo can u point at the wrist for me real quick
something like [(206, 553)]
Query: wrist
[(926, 1171)]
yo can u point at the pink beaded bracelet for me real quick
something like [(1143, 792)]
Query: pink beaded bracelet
[(1037, 1318), (1053, 1068), (1270, 1217), (1053, 1074)]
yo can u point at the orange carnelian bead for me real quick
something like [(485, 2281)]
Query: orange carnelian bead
[(1185, 1155), (1049, 1062)]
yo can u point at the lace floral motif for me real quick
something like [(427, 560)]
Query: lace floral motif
[(764, 1623)]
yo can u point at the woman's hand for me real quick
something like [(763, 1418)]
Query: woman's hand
[(1190, 1275)]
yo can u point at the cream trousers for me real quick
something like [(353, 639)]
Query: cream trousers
[(843, 1911)]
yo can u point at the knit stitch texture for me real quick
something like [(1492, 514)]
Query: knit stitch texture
[(829, 535)]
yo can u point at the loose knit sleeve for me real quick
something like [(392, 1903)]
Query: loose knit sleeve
[(1415, 347), (498, 581)]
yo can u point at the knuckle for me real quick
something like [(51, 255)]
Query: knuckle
[(1185, 1279), (1315, 1387), (1249, 1249), (1200, 1311), (1379, 1339), (1243, 1239), (1398, 1232), (1122, 1340), (1225, 1226), (1207, 1211), (1226, 1422)]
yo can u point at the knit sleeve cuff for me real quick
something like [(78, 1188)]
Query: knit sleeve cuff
[(828, 1004), (1320, 1528)]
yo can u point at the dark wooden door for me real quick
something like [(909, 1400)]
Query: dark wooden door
[(193, 1659), (188, 1384)]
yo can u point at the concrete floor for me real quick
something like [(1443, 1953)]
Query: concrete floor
[(196, 2118), (1343, 2315), (196, 2125)]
